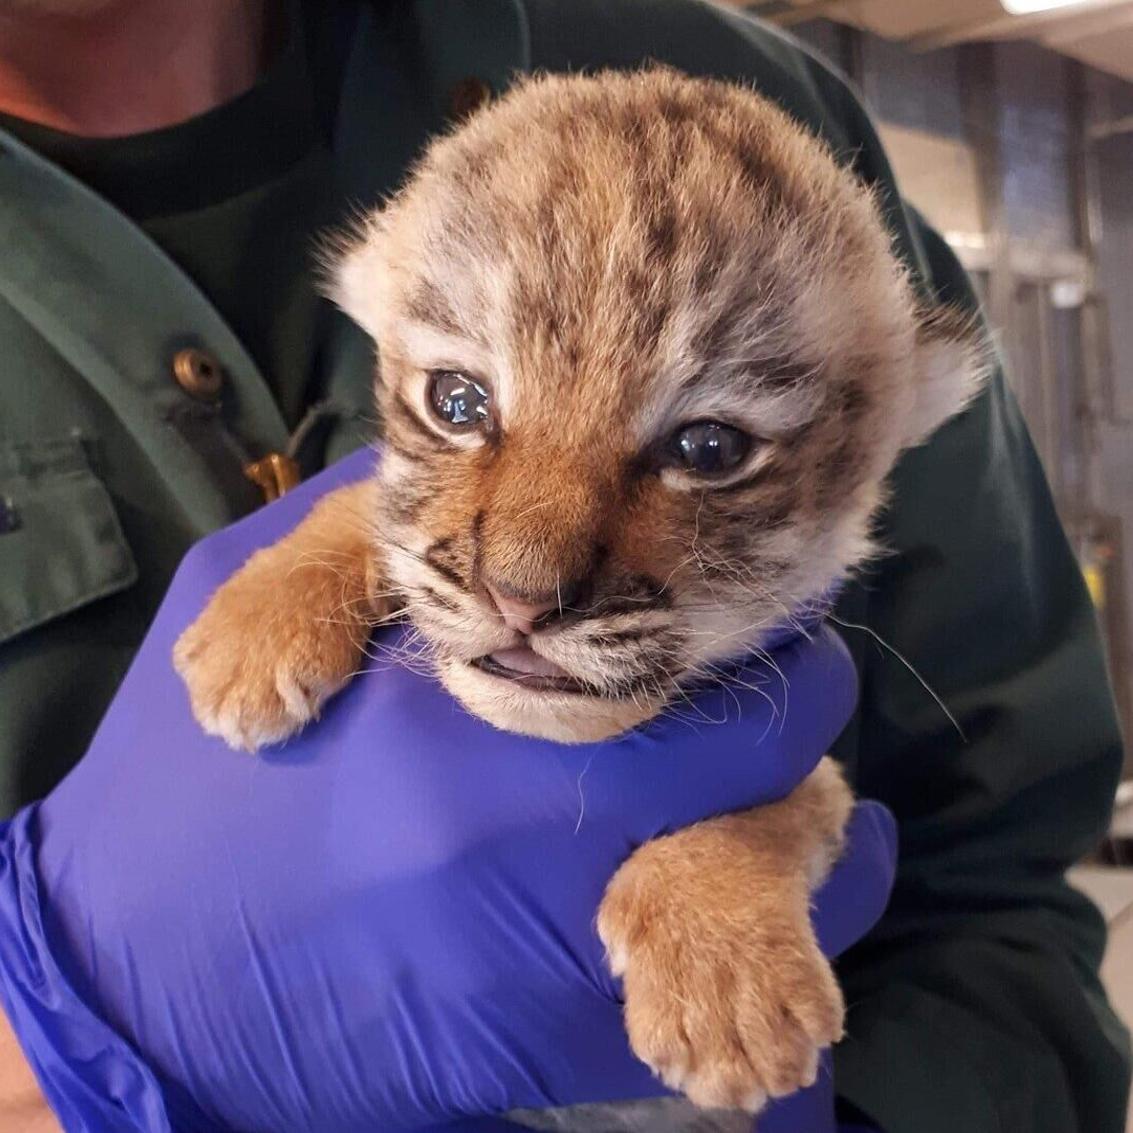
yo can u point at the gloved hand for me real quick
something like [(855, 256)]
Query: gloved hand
[(387, 923)]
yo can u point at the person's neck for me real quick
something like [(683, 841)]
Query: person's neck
[(130, 65)]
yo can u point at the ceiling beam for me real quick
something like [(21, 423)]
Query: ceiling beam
[(1004, 26), (1099, 33), (1089, 24), (807, 10)]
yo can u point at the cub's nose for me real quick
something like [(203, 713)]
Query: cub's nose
[(521, 612)]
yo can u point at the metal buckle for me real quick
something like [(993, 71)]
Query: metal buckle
[(274, 475)]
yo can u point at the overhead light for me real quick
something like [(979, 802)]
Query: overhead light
[(1029, 7)]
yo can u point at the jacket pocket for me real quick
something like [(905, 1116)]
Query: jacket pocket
[(61, 544)]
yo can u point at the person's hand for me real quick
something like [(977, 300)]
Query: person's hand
[(386, 923)]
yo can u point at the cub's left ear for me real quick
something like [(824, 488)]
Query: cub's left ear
[(952, 363)]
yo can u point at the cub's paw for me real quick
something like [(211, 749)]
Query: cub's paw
[(272, 646), (727, 996)]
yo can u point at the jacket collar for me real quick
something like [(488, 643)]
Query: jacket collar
[(112, 304), (404, 60)]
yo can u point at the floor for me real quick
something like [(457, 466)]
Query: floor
[(1112, 891)]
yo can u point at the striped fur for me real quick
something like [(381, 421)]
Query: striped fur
[(613, 257)]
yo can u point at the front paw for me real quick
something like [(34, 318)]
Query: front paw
[(728, 998), (272, 646)]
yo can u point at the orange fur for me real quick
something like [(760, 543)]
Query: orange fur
[(288, 630), (611, 258)]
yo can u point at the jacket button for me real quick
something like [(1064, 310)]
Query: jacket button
[(466, 97), (198, 373)]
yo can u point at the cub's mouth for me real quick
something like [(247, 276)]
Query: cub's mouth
[(516, 689), (525, 667)]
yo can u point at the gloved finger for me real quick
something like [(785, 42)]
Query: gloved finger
[(855, 894), (848, 904)]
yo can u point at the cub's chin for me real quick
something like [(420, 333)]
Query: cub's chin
[(548, 714)]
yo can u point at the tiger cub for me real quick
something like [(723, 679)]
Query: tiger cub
[(646, 359)]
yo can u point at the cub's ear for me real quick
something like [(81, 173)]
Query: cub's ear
[(953, 361), (352, 270)]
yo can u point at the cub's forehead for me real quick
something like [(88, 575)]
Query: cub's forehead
[(573, 198), (608, 152), (614, 237)]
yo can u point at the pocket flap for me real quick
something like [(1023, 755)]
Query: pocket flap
[(61, 544)]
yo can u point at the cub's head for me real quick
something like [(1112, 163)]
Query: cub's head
[(646, 358)]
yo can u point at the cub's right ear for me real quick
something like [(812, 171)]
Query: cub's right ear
[(352, 272), (954, 359)]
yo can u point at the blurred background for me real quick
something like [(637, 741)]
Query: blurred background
[(1010, 125)]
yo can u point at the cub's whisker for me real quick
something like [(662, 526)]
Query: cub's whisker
[(908, 665)]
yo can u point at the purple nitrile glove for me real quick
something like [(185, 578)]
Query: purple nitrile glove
[(387, 923)]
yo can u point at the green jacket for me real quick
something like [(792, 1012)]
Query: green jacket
[(975, 1006)]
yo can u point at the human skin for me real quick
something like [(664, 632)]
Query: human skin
[(109, 68)]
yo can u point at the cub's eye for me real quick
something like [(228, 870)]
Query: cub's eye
[(459, 401), (709, 448)]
